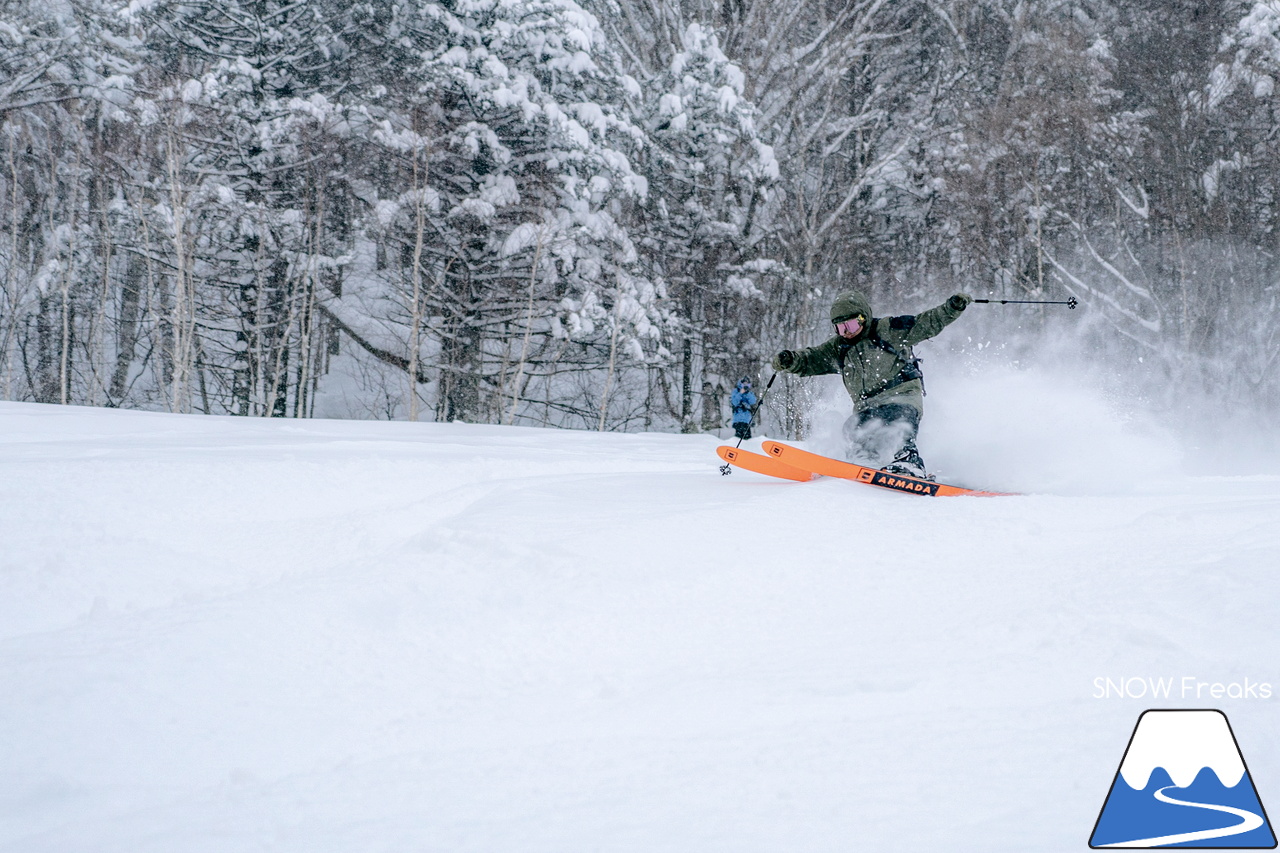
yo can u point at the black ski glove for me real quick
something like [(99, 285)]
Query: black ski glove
[(959, 302), (784, 360)]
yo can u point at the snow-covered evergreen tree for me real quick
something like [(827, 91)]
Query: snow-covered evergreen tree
[(703, 222), (505, 210)]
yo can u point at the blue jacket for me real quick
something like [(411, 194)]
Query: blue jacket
[(742, 402)]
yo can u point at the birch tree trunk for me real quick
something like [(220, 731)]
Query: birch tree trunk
[(518, 386), (183, 307), (613, 357), (415, 306), (12, 296)]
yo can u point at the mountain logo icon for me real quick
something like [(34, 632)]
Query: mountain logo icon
[(1183, 783)]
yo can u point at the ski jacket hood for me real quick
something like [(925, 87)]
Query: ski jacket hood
[(848, 304)]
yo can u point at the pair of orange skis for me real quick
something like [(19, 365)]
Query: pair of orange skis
[(792, 463)]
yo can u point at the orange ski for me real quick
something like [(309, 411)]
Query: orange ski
[(763, 464), (825, 465)]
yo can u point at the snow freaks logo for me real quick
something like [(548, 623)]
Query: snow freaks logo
[(1183, 783), (1187, 687)]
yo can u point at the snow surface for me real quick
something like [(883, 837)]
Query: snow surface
[(224, 634)]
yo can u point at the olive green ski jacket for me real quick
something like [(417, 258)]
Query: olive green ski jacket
[(878, 367)]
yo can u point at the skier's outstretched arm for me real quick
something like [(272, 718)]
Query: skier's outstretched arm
[(812, 361), (929, 323)]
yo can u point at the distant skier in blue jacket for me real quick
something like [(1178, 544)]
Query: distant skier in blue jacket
[(743, 403)]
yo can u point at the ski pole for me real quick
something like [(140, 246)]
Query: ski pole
[(725, 469), (1070, 303)]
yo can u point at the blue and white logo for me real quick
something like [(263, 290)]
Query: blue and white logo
[(1183, 783)]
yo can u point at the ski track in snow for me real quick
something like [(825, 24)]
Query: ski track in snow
[(1248, 822), (234, 635)]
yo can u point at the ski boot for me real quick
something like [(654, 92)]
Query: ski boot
[(908, 464)]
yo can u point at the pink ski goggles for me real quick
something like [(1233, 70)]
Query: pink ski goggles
[(851, 327)]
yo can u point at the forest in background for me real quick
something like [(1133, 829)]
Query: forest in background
[(600, 214)]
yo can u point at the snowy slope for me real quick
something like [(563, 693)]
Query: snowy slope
[(232, 635)]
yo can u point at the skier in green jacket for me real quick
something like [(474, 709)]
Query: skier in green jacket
[(881, 373)]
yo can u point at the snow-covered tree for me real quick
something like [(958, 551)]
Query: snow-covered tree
[(233, 119), (503, 214), (711, 175), (61, 83)]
